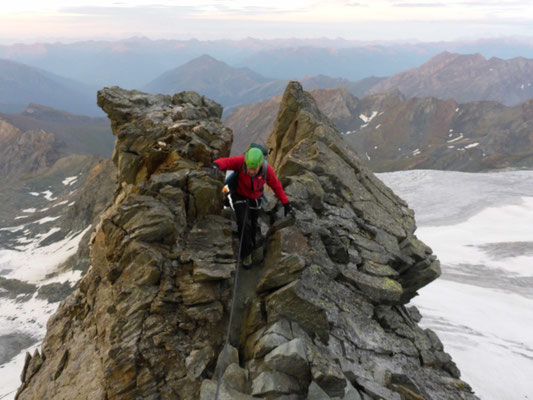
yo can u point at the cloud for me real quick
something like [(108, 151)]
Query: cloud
[(200, 11), (420, 5), (211, 19), (492, 3), (98, 11), (256, 10), (467, 3)]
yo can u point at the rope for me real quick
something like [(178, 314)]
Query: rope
[(224, 350)]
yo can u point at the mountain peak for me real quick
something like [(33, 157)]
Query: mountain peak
[(35, 110), (447, 57), (465, 77), (207, 75), (203, 60), (206, 58)]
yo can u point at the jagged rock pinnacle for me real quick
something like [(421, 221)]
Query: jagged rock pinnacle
[(325, 177), (327, 315)]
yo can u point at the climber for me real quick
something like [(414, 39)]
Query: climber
[(246, 189)]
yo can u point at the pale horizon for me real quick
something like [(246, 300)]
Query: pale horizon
[(29, 21)]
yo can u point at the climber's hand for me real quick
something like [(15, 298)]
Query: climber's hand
[(288, 209), (214, 169)]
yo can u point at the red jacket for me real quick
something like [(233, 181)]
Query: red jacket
[(248, 186)]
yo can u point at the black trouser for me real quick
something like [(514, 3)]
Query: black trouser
[(250, 225)]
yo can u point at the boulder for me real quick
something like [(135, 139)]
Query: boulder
[(235, 377), (378, 270), (292, 303), (350, 393), (277, 334), (229, 355), (326, 372), (198, 360), (272, 382), (289, 358)]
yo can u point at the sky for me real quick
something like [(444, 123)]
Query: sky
[(421, 20)]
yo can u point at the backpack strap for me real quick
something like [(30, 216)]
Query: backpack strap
[(265, 170)]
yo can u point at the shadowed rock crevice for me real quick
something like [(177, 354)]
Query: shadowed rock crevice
[(320, 316)]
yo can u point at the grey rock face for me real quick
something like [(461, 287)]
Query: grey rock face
[(324, 312)]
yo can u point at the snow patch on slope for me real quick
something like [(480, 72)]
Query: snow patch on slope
[(31, 263)]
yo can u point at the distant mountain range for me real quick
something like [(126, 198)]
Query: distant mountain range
[(446, 75), (418, 98), (461, 77), (21, 84), (465, 78), (132, 63), (235, 87), (349, 63), (390, 132)]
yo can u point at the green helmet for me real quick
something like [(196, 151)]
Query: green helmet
[(254, 157)]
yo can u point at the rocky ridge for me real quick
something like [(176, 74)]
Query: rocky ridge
[(327, 318), (392, 133), (73, 134), (465, 78), (24, 152), (254, 122)]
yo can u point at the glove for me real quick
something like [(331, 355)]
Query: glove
[(288, 209), (215, 169)]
